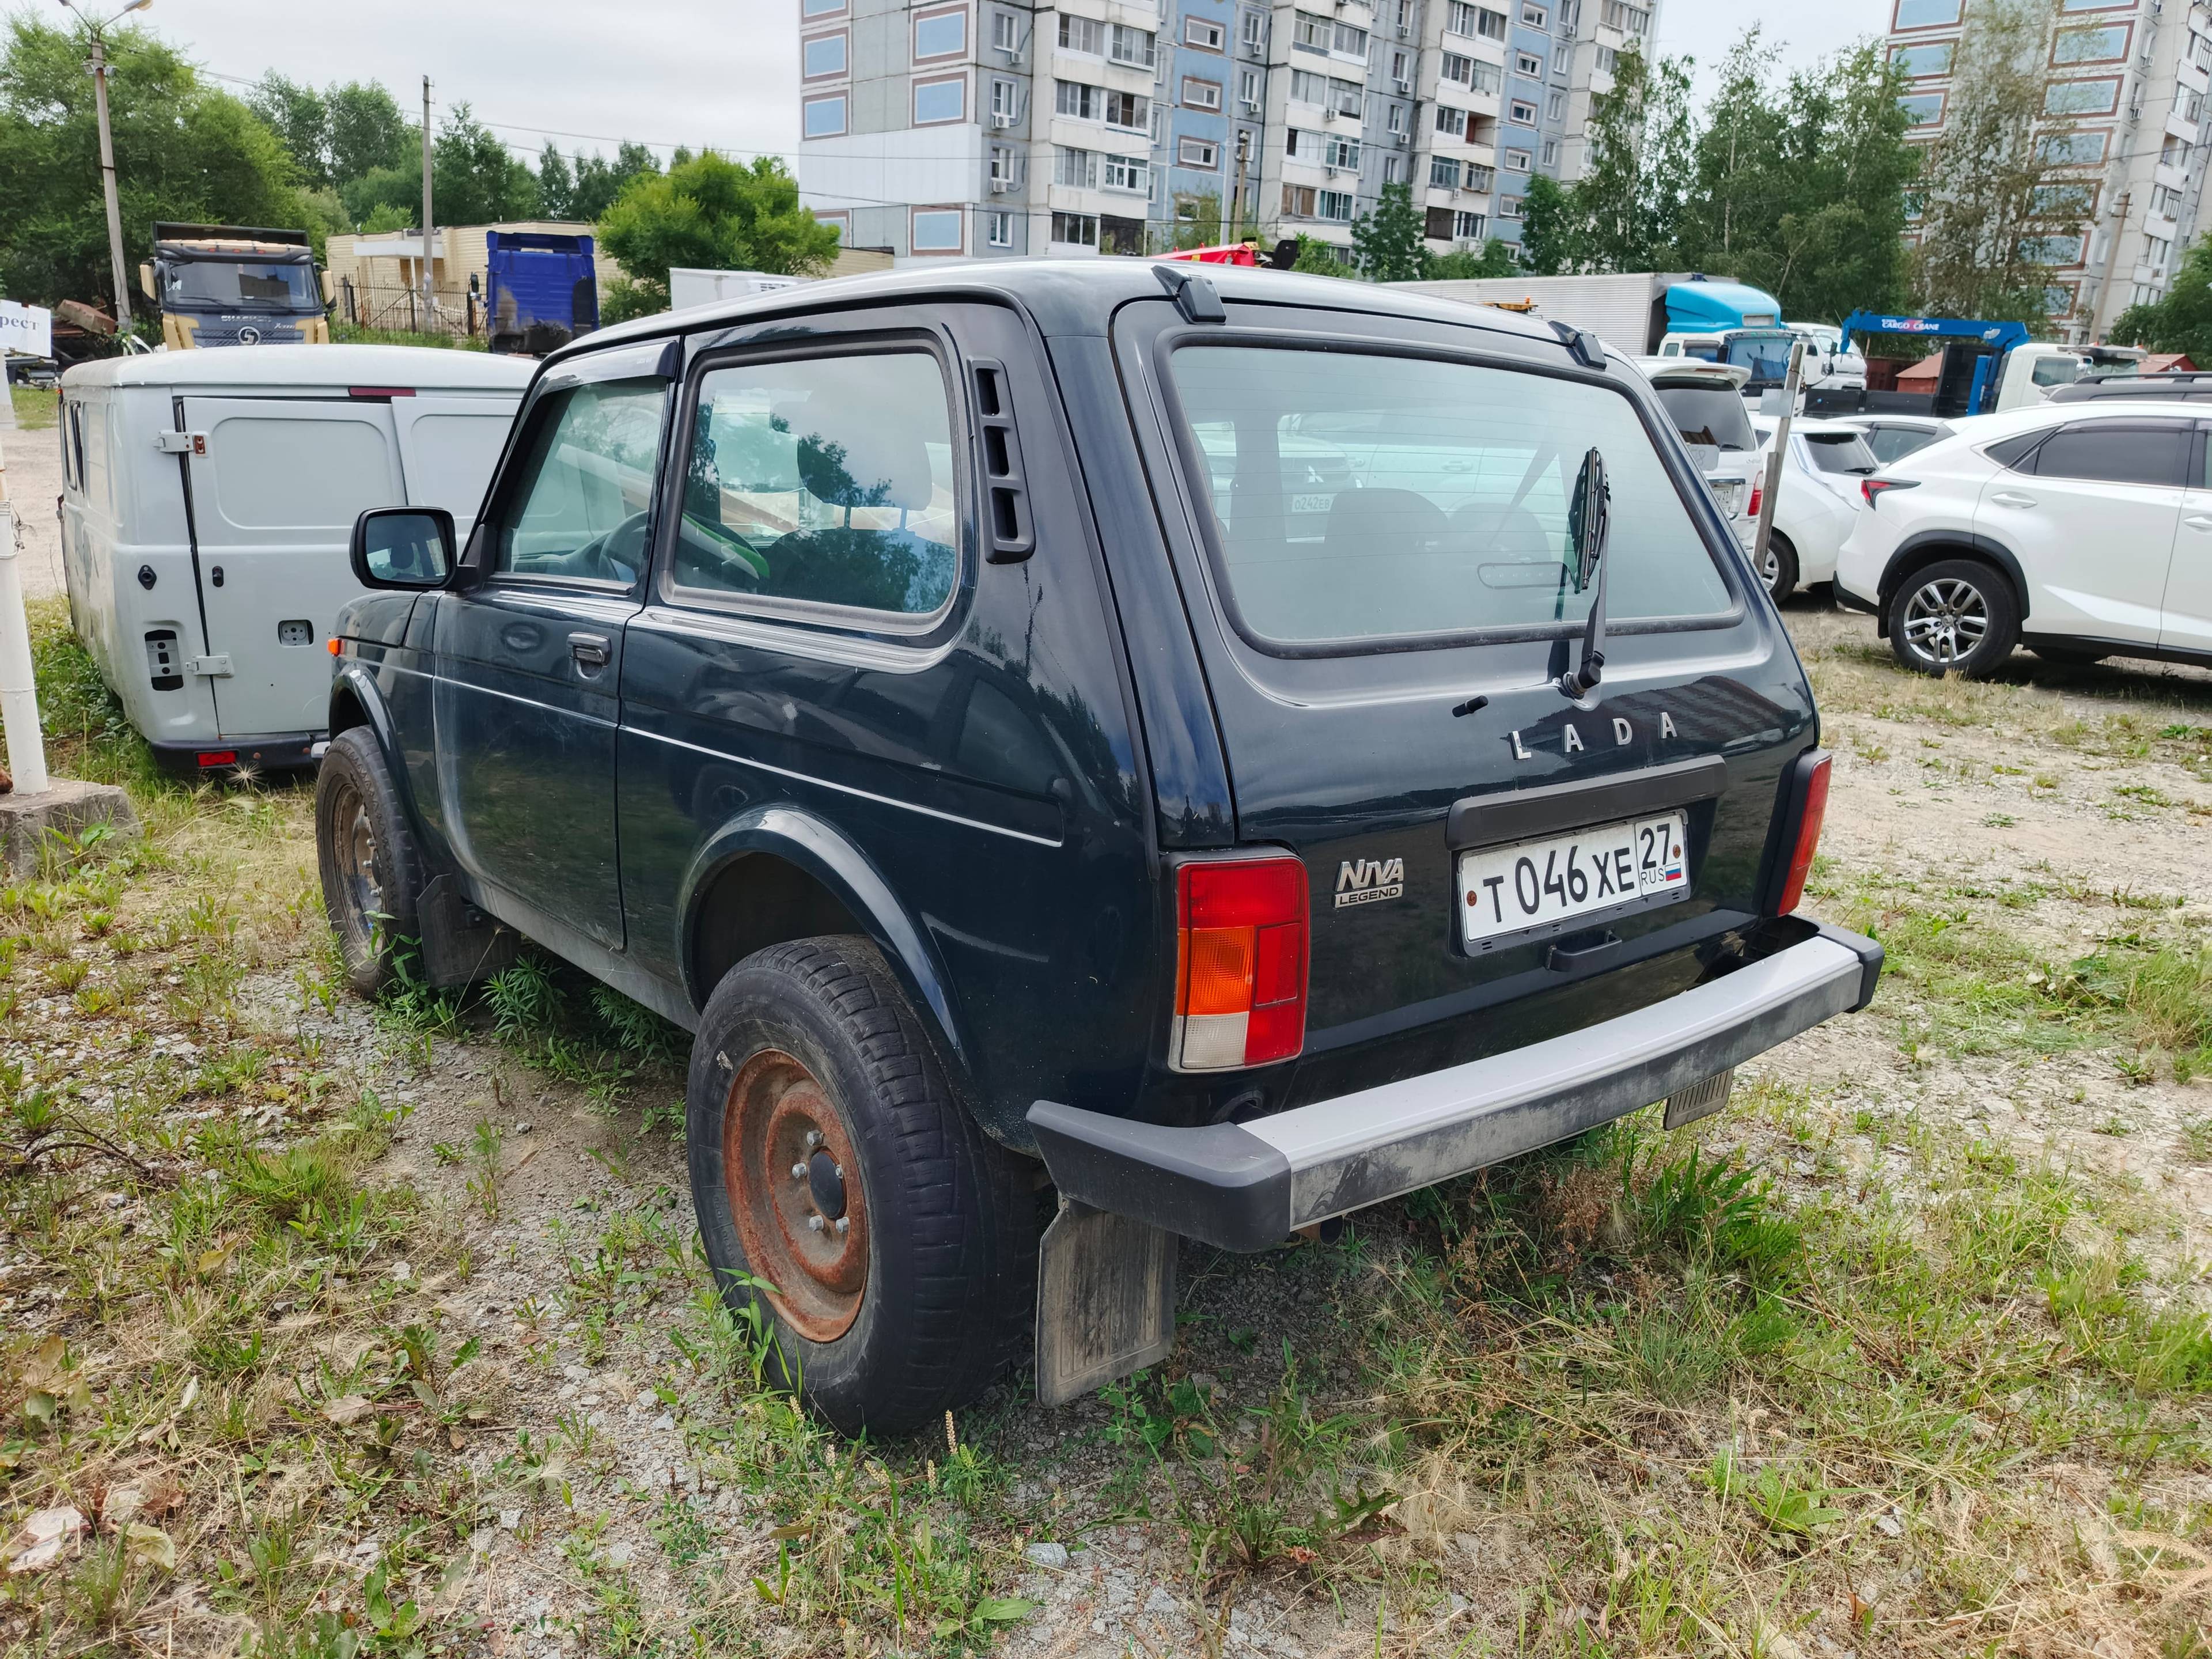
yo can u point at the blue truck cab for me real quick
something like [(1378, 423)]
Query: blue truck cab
[(542, 289), (1097, 752), (1729, 322)]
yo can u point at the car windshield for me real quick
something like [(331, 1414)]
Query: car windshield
[(1767, 355), (1709, 415), (2057, 371), (1362, 497), (1840, 452), (242, 285)]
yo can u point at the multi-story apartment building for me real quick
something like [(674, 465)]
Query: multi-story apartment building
[(2125, 93), (1004, 127)]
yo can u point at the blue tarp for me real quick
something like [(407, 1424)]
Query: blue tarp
[(1717, 307)]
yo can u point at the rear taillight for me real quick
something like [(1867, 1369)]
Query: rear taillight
[(217, 757), (1240, 963), (1758, 495), (1807, 806), (1874, 489)]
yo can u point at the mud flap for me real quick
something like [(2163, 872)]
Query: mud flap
[(1699, 1099), (1106, 1298), (460, 943)]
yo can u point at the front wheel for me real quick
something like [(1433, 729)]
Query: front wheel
[(372, 873), (1779, 572), (844, 1193), (1955, 617)]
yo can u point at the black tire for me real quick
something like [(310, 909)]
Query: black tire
[(883, 1332), (2070, 656), (371, 870), (1958, 616), (1781, 573)]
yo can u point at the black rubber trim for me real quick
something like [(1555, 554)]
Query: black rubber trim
[(2121, 647), (1851, 601), (1218, 1184), (273, 749), (1494, 820), (1866, 950)]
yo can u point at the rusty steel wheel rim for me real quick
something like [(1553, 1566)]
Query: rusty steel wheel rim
[(795, 1194)]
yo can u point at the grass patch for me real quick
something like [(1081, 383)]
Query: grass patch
[(36, 411)]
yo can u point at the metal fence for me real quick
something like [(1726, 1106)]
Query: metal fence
[(371, 304)]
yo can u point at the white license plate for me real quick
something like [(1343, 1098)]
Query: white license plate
[(1537, 883), (1312, 503)]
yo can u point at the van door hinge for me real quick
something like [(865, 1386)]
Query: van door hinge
[(214, 668), (180, 443)]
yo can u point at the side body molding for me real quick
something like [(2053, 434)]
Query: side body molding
[(813, 846)]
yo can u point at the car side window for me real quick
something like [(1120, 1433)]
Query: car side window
[(581, 506), (2107, 451), (2199, 476), (824, 481)]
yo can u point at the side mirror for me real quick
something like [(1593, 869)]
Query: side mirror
[(146, 272), (408, 548), (1589, 519)]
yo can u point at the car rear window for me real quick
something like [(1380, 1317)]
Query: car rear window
[(1709, 415), (1362, 497), (1839, 451)]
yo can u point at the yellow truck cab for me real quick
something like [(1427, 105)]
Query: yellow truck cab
[(230, 285)]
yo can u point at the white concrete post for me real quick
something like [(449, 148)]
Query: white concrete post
[(18, 687)]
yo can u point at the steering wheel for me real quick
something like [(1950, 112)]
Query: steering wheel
[(623, 544)]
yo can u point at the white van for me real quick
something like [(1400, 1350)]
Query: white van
[(208, 499)]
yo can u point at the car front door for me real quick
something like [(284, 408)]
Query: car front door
[(2185, 622), (276, 484), (2092, 527), (529, 656)]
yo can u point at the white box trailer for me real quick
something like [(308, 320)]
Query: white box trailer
[(689, 286), (1627, 311), (208, 501)]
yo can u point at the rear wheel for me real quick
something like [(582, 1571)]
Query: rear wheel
[(844, 1194), (1955, 617), (372, 873), (1780, 570)]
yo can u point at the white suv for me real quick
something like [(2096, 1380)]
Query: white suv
[(2083, 531)]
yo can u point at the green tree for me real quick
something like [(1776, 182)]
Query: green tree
[(2182, 321), (183, 151), (1552, 235), (1319, 258), (1997, 213), (475, 180), (1389, 241), (1495, 259), (368, 131), (599, 181), (1627, 205), (556, 183), (712, 212), (298, 115)]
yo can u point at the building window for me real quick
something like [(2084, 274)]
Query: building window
[(823, 55), (1197, 31), (821, 8), (1003, 177), (936, 102), (1201, 94), (1079, 229), (2188, 103), (1491, 25), (1451, 121), (1455, 66), (1312, 34), (935, 230), (1488, 77), (1131, 46), (1082, 34), (1001, 224), (939, 34), (1925, 14), (1253, 28), (1128, 173), (1394, 121), (1126, 109), (1390, 169), (1079, 168), (1480, 179), (1076, 98), (1551, 152), (2104, 44), (1352, 42), (1555, 106), (1247, 90), (2082, 97), (1401, 71), (1521, 113), (1197, 153), (1515, 161), (1005, 31), (1562, 51), (1922, 109), (1919, 63), (1005, 102), (1528, 64), (842, 222), (1459, 17), (1534, 16), (1340, 206), (2051, 250), (2076, 149), (1339, 152), (823, 118), (1299, 201), (1469, 227), (1443, 172), (1508, 207)]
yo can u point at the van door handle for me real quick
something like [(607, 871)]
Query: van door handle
[(590, 650), (2198, 521), (2007, 498)]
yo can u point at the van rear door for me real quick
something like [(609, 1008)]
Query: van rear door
[(1372, 518), (276, 484)]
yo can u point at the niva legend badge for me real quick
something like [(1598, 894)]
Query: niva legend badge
[(1369, 881)]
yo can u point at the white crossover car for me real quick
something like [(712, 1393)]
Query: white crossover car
[(2081, 530), (1819, 502)]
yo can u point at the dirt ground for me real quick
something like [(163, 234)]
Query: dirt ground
[(34, 458), (584, 1481)]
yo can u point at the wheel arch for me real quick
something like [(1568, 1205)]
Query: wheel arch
[(776, 874), (1917, 552)]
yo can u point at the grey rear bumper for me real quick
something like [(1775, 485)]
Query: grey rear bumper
[(1248, 1185)]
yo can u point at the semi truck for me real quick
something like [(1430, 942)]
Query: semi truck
[(1651, 314), (233, 285), (1984, 366)]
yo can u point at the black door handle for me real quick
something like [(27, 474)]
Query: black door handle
[(218, 575), (590, 650), (1571, 958)]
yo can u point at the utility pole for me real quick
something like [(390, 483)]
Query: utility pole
[(429, 296), (1765, 532), (99, 67), (1236, 185)]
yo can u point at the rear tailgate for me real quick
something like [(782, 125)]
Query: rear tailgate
[(1370, 539)]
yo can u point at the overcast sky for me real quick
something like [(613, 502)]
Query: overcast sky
[(718, 72)]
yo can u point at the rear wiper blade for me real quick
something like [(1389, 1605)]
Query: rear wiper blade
[(1589, 525)]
